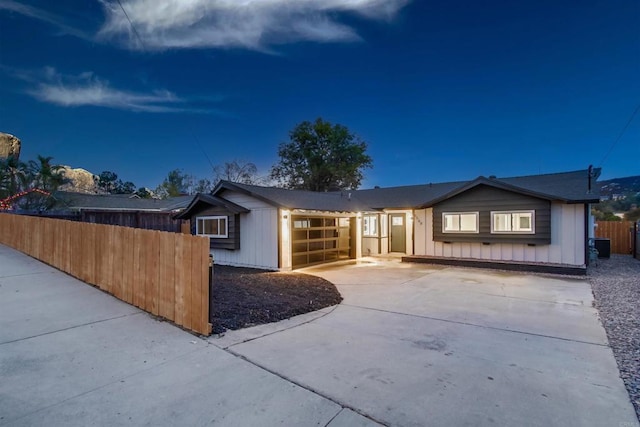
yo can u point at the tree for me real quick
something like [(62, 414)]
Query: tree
[(144, 193), (244, 173), (14, 176), (175, 184), (321, 157), (44, 176), (107, 181), (203, 186), (127, 187), (632, 215)]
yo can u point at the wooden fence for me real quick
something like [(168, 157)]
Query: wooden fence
[(620, 233), (165, 274), (162, 221), (636, 244)]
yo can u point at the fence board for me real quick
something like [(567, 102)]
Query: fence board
[(187, 309), (196, 296), (620, 233), (163, 273), (152, 271), (138, 265), (117, 248), (181, 280), (127, 264), (167, 275)]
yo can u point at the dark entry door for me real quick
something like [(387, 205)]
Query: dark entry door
[(398, 233)]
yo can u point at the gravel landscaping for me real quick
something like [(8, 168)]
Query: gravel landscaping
[(244, 297), (616, 289)]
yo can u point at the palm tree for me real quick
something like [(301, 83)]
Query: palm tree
[(46, 176), (43, 176), (13, 176)]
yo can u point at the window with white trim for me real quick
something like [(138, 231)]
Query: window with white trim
[(513, 222), (212, 226), (460, 222), (370, 225)]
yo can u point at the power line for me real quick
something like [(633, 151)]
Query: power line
[(133, 28), (135, 31), (620, 135)]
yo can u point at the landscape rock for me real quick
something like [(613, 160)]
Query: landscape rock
[(82, 181), (9, 145)]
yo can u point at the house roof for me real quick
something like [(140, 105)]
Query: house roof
[(344, 201), (209, 200), (76, 201), (567, 187), (407, 196)]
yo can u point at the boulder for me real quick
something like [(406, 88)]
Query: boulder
[(9, 145), (82, 181)]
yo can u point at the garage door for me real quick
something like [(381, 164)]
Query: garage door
[(319, 239)]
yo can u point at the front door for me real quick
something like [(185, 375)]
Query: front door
[(398, 233)]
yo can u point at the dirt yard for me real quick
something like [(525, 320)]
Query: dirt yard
[(245, 297)]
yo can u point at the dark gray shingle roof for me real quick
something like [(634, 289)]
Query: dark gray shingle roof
[(406, 196), (298, 199), (75, 201), (569, 187)]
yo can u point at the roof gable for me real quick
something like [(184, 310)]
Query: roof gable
[(201, 200)]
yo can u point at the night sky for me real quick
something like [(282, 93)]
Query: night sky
[(440, 90)]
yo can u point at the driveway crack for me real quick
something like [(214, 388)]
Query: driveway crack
[(306, 387), (458, 322)]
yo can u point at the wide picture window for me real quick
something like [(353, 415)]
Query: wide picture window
[(212, 226), (521, 222), (464, 222)]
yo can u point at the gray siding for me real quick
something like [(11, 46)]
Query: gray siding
[(484, 199), (232, 242)]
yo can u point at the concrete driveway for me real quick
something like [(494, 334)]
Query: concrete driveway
[(415, 345), (71, 355)]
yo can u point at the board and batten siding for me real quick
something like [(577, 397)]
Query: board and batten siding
[(484, 199), (258, 235), (567, 241)]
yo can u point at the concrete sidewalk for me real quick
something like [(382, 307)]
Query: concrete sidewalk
[(72, 355)]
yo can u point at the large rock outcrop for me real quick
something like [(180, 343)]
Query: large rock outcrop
[(9, 145), (82, 181)]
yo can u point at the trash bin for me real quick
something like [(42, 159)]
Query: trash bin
[(603, 246)]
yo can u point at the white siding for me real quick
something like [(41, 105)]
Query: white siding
[(567, 241), (258, 235)]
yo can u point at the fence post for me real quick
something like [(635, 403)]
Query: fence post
[(210, 288)]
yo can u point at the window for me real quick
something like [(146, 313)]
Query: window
[(212, 226), (520, 222), (301, 223), (370, 225), (463, 222)]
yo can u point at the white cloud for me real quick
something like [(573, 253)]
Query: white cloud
[(86, 89), (252, 24), (39, 14)]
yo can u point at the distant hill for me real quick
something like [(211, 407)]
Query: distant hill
[(629, 184)]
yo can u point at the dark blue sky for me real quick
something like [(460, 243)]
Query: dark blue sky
[(440, 90)]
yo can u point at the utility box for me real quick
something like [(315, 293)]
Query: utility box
[(603, 246)]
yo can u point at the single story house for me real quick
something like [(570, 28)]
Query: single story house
[(537, 222)]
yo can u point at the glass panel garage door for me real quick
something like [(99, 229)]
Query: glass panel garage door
[(319, 239)]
